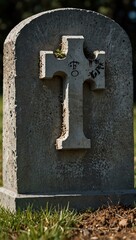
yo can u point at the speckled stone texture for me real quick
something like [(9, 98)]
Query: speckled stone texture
[(33, 169)]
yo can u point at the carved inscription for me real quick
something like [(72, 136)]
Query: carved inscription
[(73, 65), (99, 66)]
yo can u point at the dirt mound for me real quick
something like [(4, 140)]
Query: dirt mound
[(112, 223)]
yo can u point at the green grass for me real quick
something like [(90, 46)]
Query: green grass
[(45, 224)]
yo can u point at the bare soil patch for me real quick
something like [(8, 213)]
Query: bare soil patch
[(111, 223)]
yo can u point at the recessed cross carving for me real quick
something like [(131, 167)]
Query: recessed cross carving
[(75, 68)]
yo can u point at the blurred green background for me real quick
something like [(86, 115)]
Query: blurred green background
[(122, 11)]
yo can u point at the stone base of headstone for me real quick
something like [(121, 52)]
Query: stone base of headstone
[(80, 201)]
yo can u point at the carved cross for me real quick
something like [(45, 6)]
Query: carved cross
[(75, 68)]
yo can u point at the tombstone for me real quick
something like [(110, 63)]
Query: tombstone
[(68, 102)]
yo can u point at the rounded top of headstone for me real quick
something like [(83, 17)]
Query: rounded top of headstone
[(75, 20), (44, 31)]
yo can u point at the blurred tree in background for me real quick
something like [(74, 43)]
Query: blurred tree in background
[(122, 11)]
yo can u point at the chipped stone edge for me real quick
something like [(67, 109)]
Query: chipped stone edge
[(14, 33)]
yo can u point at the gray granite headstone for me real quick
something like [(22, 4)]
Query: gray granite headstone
[(67, 126)]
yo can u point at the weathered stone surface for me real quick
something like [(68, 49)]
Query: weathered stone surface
[(33, 113)]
